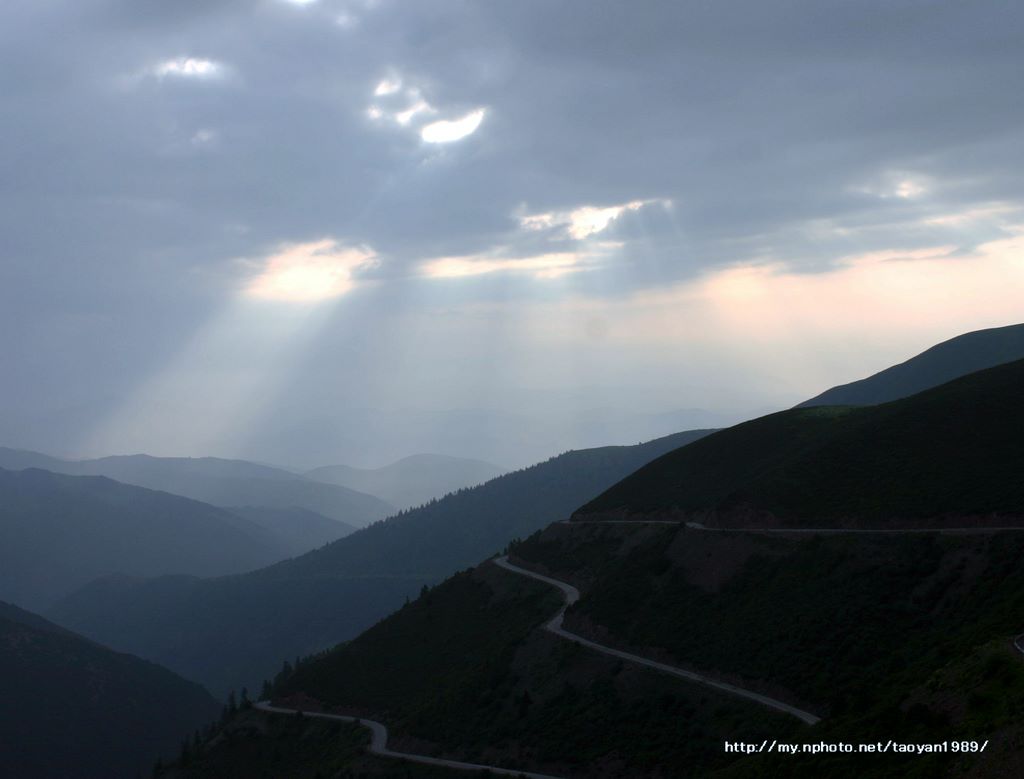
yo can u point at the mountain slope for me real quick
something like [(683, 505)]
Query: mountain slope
[(941, 363), (297, 530), (900, 635), (218, 482), (412, 481), (58, 532), (466, 672), (903, 636), (952, 454), (233, 631), (859, 627), (445, 535), (71, 708)]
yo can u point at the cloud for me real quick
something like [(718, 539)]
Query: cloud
[(309, 272), (788, 138), (387, 86), (545, 266), (584, 221), (451, 130), (188, 67), (407, 107)]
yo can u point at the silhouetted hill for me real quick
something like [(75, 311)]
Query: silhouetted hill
[(72, 708), (953, 453), (235, 630), (412, 481), (218, 482), (58, 532), (941, 363)]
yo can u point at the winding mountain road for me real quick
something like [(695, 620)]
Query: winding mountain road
[(815, 530), (1018, 641), (571, 595), (379, 732), (379, 744)]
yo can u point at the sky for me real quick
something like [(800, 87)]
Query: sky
[(351, 230)]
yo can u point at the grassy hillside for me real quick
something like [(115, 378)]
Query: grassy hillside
[(464, 671), (59, 532), (953, 452), (941, 363), (71, 708), (330, 595), (902, 636)]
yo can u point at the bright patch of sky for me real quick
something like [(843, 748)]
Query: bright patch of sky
[(410, 113), (408, 107), (450, 130), (188, 67), (387, 86), (204, 137), (900, 185), (544, 266), (308, 272), (584, 221)]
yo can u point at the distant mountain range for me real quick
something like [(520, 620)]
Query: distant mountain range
[(543, 424), (294, 530), (59, 532), (233, 631), (412, 481), (941, 363), (224, 483), (951, 455), (71, 708)]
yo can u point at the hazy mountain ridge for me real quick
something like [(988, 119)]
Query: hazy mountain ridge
[(411, 481), (939, 364), (331, 594), (58, 532), (296, 530), (220, 482)]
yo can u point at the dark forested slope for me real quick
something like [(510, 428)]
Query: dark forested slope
[(953, 453), (70, 708)]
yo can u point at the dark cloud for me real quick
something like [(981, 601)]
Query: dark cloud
[(779, 131)]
